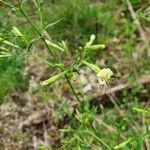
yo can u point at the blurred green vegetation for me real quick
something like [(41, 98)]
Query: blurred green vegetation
[(12, 75), (114, 26)]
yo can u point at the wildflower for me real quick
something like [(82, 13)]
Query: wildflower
[(104, 75)]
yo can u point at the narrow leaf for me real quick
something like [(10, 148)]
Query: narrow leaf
[(95, 47), (11, 44), (6, 55), (52, 24), (123, 143), (141, 110), (16, 31), (54, 45), (92, 38), (3, 49), (95, 68), (54, 78)]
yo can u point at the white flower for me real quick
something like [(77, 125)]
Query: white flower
[(104, 76)]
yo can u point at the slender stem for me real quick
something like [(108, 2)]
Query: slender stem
[(6, 3), (23, 13), (99, 139), (56, 60), (72, 88)]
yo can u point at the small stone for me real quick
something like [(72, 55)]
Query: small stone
[(87, 88)]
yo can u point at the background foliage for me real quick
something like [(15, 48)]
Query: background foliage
[(127, 52)]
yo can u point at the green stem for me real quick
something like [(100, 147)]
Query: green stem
[(72, 88), (23, 13), (100, 140), (6, 3), (43, 39)]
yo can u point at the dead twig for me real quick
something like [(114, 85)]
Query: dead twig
[(140, 29)]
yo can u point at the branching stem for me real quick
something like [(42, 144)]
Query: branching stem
[(50, 51)]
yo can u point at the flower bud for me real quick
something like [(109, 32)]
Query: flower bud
[(95, 47), (16, 32), (92, 38)]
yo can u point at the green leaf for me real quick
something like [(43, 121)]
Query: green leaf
[(54, 78), (59, 65), (11, 44), (68, 129), (54, 45), (64, 46), (4, 54), (16, 31), (8, 55), (141, 110), (92, 38), (3, 49), (95, 47), (123, 143), (53, 23), (95, 68)]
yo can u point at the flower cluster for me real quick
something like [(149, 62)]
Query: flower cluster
[(104, 76)]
